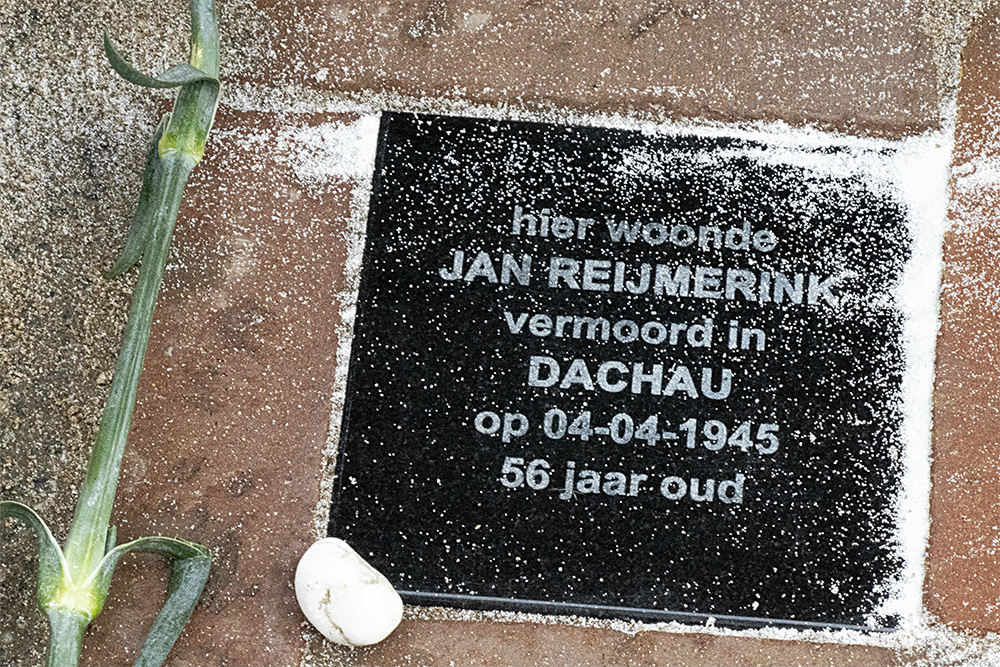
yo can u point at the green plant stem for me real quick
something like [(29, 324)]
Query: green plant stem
[(73, 582), (65, 637), (180, 148), (87, 539)]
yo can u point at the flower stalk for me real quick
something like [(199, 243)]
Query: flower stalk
[(73, 581)]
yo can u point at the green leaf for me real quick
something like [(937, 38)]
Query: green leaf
[(191, 563), (176, 76), (52, 570), (58, 596), (145, 210)]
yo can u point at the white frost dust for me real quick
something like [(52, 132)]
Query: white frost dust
[(979, 172), (320, 154)]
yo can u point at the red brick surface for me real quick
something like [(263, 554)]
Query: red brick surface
[(439, 642), (962, 585), (234, 405), (849, 65)]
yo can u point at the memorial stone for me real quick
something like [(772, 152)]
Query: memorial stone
[(623, 374)]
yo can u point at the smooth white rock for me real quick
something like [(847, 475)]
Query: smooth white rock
[(348, 600)]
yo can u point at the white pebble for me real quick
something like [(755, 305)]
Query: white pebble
[(348, 600)]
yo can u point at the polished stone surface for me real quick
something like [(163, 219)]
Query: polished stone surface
[(605, 373)]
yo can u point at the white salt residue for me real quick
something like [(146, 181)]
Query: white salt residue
[(939, 646), (979, 172), (974, 219), (320, 154), (920, 168), (913, 172), (323, 157), (629, 627), (294, 98)]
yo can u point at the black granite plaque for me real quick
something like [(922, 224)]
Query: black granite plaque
[(621, 374)]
